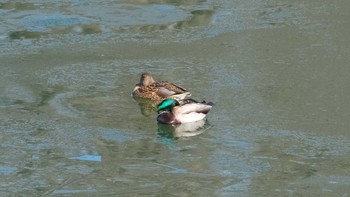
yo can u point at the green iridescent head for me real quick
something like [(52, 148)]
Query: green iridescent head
[(167, 104)]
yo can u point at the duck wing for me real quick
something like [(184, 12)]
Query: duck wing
[(168, 89), (172, 87), (164, 92), (191, 106)]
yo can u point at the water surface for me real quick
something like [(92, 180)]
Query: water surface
[(276, 70)]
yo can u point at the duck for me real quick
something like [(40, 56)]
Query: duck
[(148, 88), (171, 111)]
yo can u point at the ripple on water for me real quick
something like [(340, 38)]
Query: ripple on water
[(41, 23), (7, 170), (139, 21), (63, 107), (15, 93), (132, 14), (117, 135)]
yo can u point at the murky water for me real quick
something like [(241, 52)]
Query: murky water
[(278, 72)]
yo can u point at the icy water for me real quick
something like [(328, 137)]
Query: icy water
[(278, 72)]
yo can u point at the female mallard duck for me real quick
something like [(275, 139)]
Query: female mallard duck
[(171, 111), (148, 88)]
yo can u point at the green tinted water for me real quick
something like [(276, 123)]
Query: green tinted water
[(277, 72)]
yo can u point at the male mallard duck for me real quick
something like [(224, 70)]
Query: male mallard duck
[(171, 111), (148, 88)]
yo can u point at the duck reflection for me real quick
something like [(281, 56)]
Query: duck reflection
[(147, 107), (182, 130)]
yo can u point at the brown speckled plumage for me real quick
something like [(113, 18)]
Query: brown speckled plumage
[(148, 88)]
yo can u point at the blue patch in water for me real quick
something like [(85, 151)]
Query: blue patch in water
[(73, 191), (178, 171), (6, 170), (88, 158), (42, 22), (165, 7)]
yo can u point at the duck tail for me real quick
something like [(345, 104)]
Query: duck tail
[(208, 103)]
